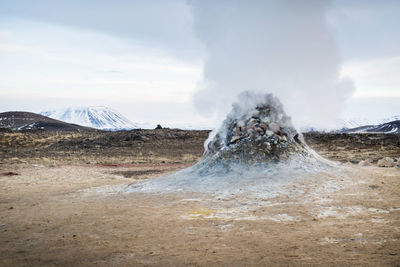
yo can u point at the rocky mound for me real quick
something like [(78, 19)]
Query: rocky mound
[(257, 133), (255, 150)]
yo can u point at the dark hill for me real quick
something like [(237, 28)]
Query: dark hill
[(22, 121)]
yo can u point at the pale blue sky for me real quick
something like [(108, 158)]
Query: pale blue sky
[(144, 59)]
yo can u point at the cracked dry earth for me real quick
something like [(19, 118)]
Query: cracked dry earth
[(74, 215)]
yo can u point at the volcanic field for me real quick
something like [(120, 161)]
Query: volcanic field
[(82, 198)]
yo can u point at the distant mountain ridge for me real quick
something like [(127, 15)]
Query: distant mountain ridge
[(20, 121), (350, 125), (354, 123), (388, 127), (98, 117)]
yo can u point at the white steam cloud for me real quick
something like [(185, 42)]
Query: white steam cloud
[(282, 47)]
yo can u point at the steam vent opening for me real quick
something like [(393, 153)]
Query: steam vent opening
[(255, 150)]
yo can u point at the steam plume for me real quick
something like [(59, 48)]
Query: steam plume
[(282, 47)]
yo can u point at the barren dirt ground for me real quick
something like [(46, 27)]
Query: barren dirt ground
[(63, 213)]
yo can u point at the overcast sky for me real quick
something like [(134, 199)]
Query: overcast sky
[(144, 59)]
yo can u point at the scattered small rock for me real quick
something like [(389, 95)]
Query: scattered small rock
[(252, 121), (265, 120), (9, 174), (235, 139), (238, 130), (282, 138), (263, 126), (386, 162), (364, 163), (275, 127), (259, 130), (373, 186), (267, 146), (240, 124), (269, 133)]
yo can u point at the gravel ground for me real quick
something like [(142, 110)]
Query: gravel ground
[(62, 202)]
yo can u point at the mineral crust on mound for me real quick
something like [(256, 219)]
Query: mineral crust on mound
[(257, 133)]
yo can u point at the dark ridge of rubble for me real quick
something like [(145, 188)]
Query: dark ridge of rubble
[(355, 147)]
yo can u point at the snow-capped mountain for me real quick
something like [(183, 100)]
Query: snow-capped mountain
[(353, 123), (393, 118), (350, 124), (358, 122), (388, 127), (99, 117)]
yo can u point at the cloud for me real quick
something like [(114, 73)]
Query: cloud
[(377, 77), (39, 59), (165, 25)]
